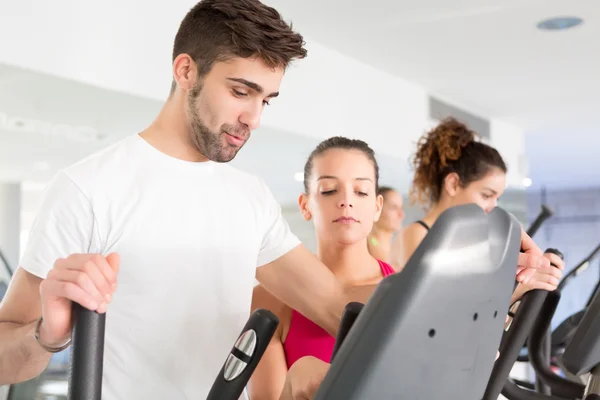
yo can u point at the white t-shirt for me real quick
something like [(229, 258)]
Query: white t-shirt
[(190, 237)]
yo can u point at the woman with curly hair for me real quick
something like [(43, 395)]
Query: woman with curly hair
[(454, 167)]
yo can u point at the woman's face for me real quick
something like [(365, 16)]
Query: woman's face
[(484, 192), (392, 213), (342, 200)]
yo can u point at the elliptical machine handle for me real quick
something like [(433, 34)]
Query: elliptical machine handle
[(351, 312), (87, 354), (514, 338), (244, 356), (545, 213)]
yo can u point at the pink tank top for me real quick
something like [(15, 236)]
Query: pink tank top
[(305, 338)]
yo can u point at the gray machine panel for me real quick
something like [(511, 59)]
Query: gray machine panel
[(432, 331)]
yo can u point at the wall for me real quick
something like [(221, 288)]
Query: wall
[(574, 229), (301, 228), (325, 94), (509, 140)]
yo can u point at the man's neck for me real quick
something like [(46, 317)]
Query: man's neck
[(170, 134), (350, 264)]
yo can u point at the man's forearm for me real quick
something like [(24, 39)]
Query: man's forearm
[(21, 357), (299, 280)]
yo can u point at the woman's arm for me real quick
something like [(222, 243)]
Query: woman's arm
[(304, 378), (268, 379)]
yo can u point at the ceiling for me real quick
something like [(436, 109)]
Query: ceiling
[(488, 57)]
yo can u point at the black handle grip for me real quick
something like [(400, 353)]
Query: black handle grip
[(87, 354), (540, 357), (555, 251), (515, 337), (544, 214), (543, 342), (579, 268), (350, 314), (514, 392), (244, 356)]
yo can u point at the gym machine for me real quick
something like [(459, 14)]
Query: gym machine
[(430, 332), (85, 374), (545, 213), (554, 343), (581, 358)]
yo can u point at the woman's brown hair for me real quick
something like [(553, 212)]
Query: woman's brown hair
[(451, 147)]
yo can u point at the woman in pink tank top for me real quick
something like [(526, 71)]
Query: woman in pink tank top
[(340, 198)]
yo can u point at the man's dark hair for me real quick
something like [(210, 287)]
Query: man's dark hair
[(217, 30)]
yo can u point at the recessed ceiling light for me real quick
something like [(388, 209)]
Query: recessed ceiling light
[(527, 182), (299, 177), (559, 23)]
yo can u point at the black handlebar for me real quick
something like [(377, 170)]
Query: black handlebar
[(537, 352), (545, 213), (574, 272), (350, 315), (545, 340), (244, 356), (513, 340), (513, 392), (87, 354), (579, 268)]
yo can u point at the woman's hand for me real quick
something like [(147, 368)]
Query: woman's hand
[(304, 378), (546, 277), (534, 266)]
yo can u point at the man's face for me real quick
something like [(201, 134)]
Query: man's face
[(227, 103)]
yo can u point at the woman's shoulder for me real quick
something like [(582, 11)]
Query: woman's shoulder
[(262, 298), (417, 229), (377, 249)]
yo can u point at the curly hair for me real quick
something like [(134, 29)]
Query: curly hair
[(217, 30), (451, 147)]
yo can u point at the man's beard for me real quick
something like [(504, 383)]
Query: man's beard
[(211, 145)]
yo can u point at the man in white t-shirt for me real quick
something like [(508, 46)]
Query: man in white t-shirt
[(162, 232)]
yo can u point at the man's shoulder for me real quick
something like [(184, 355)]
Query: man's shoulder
[(234, 171), (104, 161), (245, 179)]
